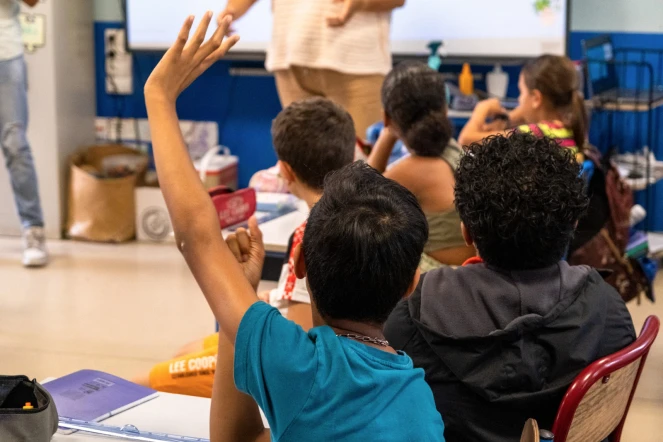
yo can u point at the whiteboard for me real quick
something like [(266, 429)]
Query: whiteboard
[(474, 28)]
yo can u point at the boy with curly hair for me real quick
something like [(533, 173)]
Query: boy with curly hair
[(502, 338)]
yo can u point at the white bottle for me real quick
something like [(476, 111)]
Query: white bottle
[(497, 82)]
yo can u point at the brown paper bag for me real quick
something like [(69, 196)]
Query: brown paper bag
[(102, 209)]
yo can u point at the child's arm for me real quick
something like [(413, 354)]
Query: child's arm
[(474, 129), (194, 218), (235, 416), (516, 117), (379, 157)]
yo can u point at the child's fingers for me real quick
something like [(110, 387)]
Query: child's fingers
[(256, 233), (224, 24), (211, 59), (233, 245), (244, 241), (199, 35), (209, 47), (183, 36), (221, 50)]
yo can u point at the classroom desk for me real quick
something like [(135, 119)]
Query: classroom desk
[(276, 233), (460, 115), (168, 413)]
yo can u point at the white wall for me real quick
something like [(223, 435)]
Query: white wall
[(637, 16), (107, 10), (642, 16)]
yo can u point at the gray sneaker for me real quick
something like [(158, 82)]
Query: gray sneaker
[(34, 247)]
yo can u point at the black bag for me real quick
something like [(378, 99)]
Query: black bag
[(19, 423)]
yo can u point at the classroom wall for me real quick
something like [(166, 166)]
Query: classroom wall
[(245, 106), (641, 16), (108, 10)]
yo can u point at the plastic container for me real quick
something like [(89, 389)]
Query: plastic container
[(466, 80), (497, 82), (218, 168)]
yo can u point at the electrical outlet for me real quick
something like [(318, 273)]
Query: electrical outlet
[(119, 63)]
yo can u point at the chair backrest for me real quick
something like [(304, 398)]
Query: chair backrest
[(596, 404), (530, 432)]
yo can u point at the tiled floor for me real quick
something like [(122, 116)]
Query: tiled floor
[(123, 308)]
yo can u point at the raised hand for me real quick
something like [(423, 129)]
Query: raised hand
[(249, 251), (188, 58)]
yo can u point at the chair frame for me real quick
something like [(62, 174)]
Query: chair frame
[(601, 369)]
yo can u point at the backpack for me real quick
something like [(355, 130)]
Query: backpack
[(606, 250)]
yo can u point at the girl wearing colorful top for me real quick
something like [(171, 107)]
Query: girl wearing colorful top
[(550, 104)]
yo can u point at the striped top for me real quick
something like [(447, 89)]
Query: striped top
[(301, 37), (558, 132)]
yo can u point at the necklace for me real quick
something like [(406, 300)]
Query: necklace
[(368, 339)]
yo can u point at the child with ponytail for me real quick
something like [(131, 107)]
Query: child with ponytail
[(415, 107), (550, 104)]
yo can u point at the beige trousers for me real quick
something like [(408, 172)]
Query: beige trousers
[(358, 94)]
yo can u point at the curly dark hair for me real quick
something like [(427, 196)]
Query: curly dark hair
[(414, 97), (520, 198)]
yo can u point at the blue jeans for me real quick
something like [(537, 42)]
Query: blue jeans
[(14, 143)]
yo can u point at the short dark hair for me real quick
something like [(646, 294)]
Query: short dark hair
[(520, 197), (314, 136), (414, 97), (362, 245)]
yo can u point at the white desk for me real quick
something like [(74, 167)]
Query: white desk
[(276, 232), (168, 413), (452, 113)]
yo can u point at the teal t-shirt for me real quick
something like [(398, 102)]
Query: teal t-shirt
[(319, 387)]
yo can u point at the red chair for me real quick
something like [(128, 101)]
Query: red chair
[(597, 403)]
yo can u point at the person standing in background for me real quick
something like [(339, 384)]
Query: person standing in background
[(337, 49), (13, 126)]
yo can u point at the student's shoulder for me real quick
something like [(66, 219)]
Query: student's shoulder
[(459, 288), (410, 171), (434, 287), (258, 315), (534, 128)]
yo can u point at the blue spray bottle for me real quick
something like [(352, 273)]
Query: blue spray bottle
[(435, 61)]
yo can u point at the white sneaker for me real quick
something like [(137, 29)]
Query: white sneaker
[(34, 247)]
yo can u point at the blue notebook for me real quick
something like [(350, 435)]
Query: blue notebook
[(93, 396)]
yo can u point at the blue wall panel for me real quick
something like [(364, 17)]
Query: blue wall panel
[(243, 107)]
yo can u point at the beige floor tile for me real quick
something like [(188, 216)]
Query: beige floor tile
[(127, 302), (643, 422), (122, 308), (41, 364), (651, 382)]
